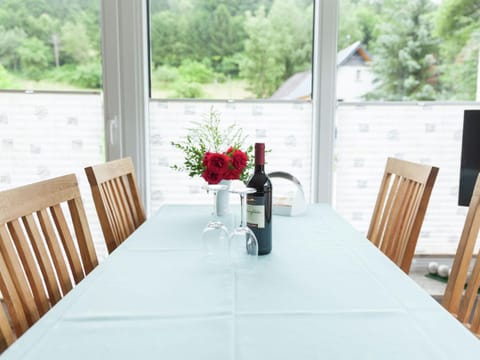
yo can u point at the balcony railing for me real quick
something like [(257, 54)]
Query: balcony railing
[(431, 133), (48, 134)]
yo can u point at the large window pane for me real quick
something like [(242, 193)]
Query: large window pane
[(229, 49), (424, 133), (51, 110), (202, 49), (50, 44), (402, 52), (412, 49)]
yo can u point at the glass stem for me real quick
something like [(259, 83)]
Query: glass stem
[(243, 210), (215, 213)]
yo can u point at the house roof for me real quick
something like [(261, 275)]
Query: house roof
[(347, 54), (299, 85)]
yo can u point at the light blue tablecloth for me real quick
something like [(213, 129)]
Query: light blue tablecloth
[(323, 293)]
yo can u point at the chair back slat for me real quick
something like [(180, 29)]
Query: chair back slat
[(136, 206), (83, 235), (55, 251), (118, 216), (44, 260), (30, 266), (20, 293), (113, 215), (400, 209), (126, 203), (117, 200), (22, 318), (61, 227), (392, 227), (411, 199), (39, 257), (126, 218), (7, 337), (460, 301)]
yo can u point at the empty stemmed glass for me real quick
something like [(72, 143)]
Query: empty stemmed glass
[(215, 233), (243, 244)]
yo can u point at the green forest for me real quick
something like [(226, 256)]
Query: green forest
[(420, 49)]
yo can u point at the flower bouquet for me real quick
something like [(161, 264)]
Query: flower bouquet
[(213, 152)]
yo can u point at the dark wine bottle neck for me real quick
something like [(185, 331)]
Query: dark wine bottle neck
[(260, 168)]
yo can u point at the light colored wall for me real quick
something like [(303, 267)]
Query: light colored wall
[(353, 82)]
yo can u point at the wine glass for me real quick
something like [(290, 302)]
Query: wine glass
[(215, 233), (243, 244)]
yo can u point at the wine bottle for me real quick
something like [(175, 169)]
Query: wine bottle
[(259, 203)]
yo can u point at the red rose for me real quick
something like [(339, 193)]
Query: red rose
[(212, 177), (232, 174), (239, 160), (205, 158), (217, 163)]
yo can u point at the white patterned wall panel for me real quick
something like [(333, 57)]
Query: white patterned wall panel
[(284, 127), (430, 134), (43, 135)]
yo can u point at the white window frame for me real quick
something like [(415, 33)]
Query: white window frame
[(324, 98), (125, 84), (126, 89)]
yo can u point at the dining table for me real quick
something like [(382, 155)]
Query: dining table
[(324, 292)]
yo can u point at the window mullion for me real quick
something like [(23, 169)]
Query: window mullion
[(324, 98), (125, 83)]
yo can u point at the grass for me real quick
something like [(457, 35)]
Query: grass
[(46, 85), (233, 89)]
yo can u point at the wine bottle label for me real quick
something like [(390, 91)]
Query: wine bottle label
[(256, 212)]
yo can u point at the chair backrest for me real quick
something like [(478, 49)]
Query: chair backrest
[(400, 209), (460, 303), (7, 337), (40, 257), (117, 200)]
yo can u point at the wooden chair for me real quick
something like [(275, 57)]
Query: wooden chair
[(117, 200), (40, 258), (463, 304), (400, 209), (7, 337)]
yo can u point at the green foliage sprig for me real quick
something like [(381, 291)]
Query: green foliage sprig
[(208, 135)]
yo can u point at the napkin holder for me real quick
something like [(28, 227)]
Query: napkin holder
[(289, 199)]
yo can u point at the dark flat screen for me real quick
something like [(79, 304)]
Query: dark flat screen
[(470, 164)]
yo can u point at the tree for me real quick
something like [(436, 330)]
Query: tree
[(278, 45), (259, 67), (225, 34), (213, 33), (34, 57), (10, 41), (168, 39), (457, 23), (291, 29), (30, 36), (405, 52), (75, 44)]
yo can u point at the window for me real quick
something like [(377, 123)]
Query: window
[(251, 61), (51, 111), (50, 45), (229, 49), (419, 63)]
